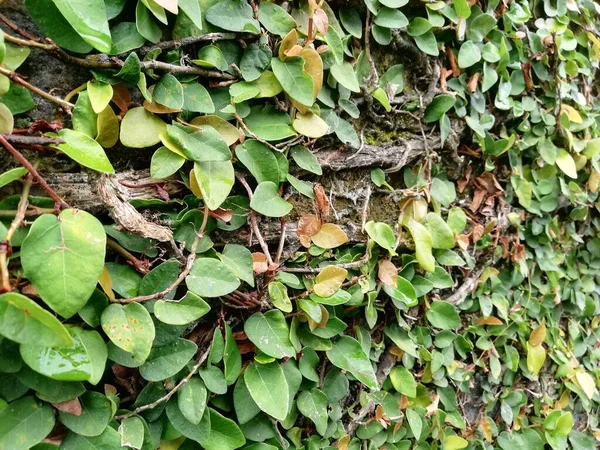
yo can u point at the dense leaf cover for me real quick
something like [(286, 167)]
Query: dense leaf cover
[(471, 324)]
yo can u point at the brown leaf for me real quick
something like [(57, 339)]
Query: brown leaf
[(433, 406), (294, 51), (453, 63), (259, 263), (342, 443), (478, 197), (538, 335), (121, 97), (222, 213), (70, 406), (477, 233), (472, 84), (321, 199), (308, 225), (486, 428), (321, 21), (526, 67), (463, 241), (322, 49), (288, 42), (388, 273), (489, 321)]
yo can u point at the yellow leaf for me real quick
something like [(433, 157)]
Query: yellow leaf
[(108, 128), (268, 85), (492, 320), (566, 163), (329, 236), (571, 113), (329, 280), (536, 356), (455, 443), (228, 132), (587, 383), (486, 428), (313, 65), (105, 282), (287, 43), (166, 141), (538, 335), (310, 125), (343, 442), (194, 185)]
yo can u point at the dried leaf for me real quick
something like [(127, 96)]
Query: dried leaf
[(259, 263), (388, 273), (321, 21), (538, 335), (71, 407)]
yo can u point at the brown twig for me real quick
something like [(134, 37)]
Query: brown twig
[(13, 26), (184, 273), (16, 78), (141, 266), (167, 45), (169, 394), (281, 241), (14, 226), (59, 202), (19, 139), (254, 135)]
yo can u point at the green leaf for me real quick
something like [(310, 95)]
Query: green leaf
[(279, 296), (344, 74), (296, 83), (211, 56), (96, 349), (275, 19), (53, 24), (50, 390), (259, 160), (73, 363), (166, 360), (414, 422), (441, 234), (211, 278), (131, 430), (427, 43), (140, 128), (165, 163), (443, 191), (536, 356), (109, 439), (351, 21), (380, 95), (190, 430), (423, 244), (268, 387), (63, 257), (11, 175), (438, 107), (310, 125), (383, 234), (125, 37), (270, 333), (313, 404), (95, 415), (85, 150), (347, 354), (462, 8), (245, 407), (468, 55), (403, 381), (443, 315), (88, 18), (146, 24), (239, 259), (390, 18), (215, 179), (420, 25), (480, 27), (130, 328), (266, 201), (24, 321), (269, 124), (256, 58), (191, 399), (203, 145), (169, 92), (233, 15), (566, 163), (224, 433), (232, 359), (189, 308), (6, 119), (306, 159), (197, 99), (24, 423)]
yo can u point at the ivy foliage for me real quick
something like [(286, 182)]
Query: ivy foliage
[(471, 324)]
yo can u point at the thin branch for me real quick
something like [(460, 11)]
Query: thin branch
[(14, 226), (254, 135), (141, 266), (167, 45), (13, 26), (351, 265), (168, 395), (31, 211), (20, 139), (17, 79), (59, 202), (184, 273), (281, 241), (188, 70)]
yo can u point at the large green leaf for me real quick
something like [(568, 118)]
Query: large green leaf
[(24, 321), (270, 333), (268, 387), (313, 404), (296, 83), (88, 18), (86, 151), (130, 328), (182, 312), (203, 145), (275, 19), (259, 160), (109, 439), (267, 201), (50, 390), (191, 399), (423, 244), (233, 15), (245, 408), (347, 354), (24, 423), (168, 92), (140, 128), (166, 360), (269, 124), (194, 431), (95, 414), (210, 278), (443, 315), (239, 259), (442, 235), (224, 433), (63, 257), (215, 180), (344, 74)]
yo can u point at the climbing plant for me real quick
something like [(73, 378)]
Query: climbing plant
[(458, 311)]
